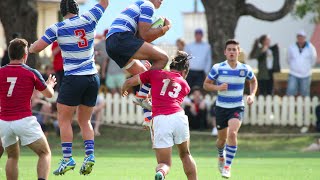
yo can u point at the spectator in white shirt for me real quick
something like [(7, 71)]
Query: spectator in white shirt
[(201, 63), (301, 58)]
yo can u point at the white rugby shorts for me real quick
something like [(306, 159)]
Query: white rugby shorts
[(170, 129), (27, 129)]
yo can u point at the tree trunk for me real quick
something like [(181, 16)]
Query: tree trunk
[(223, 16), (20, 16)]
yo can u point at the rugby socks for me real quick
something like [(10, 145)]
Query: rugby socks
[(66, 150), (89, 147), (144, 90), (147, 115), (230, 153), (220, 151)]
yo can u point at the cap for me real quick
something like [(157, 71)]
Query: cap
[(302, 33), (198, 31)]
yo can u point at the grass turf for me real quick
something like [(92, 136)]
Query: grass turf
[(123, 154)]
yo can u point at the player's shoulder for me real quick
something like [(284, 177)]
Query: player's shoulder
[(31, 70), (145, 3), (220, 65), (245, 66)]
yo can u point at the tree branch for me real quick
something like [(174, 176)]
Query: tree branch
[(252, 10)]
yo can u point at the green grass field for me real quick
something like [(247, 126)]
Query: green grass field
[(123, 154)]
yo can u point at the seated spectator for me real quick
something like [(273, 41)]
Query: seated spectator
[(196, 110), (180, 45)]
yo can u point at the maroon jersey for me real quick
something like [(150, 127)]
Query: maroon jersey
[(17, 82), (168, 89)]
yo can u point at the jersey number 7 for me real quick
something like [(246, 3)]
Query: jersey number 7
[(12, 81), (83, 42)]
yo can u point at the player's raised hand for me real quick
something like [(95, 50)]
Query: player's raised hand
[(223, 87), (250, 99), (51, 81)]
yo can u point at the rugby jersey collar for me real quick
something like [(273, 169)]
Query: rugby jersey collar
[(230, 66)]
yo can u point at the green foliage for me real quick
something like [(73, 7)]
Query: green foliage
[(303, 7)]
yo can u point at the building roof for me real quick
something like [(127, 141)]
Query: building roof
[(58, 1)]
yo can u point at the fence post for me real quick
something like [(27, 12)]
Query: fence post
[(284, 111), (292, 113), (315, 103), (261, 113), (276, 110), (269, 117), (246, 119), (124, 110), (307, 111), (116, 108), (109, 104), (253, 112), (131, 106), (299, 112)]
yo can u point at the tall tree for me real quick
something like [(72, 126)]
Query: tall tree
[(223, 16), (20, 16), (308, 6)]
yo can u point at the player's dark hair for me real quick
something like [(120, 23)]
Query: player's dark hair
[(17, 48), (231, 41), (69, 6), (181, 61)]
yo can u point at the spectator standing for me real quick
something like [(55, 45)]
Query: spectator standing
[(268, 63), (57, 63), (180, 43), (202, 60), (301, 58)]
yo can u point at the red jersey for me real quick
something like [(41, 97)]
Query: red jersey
[(17, 82), (57, 59), (168, 90)]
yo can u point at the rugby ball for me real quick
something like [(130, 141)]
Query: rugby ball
[(159, 22)]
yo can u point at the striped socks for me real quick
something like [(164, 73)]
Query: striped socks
[(220, 152), (66, 149), (89, 147), (230, 153), (147, 115), (144, 90)]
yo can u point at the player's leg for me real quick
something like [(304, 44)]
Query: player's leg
[(231, 147), (88, 101), (157, 56), (41, 148), (13, 152), (65, 117), (164, 162), (222, 126), (188, 162)]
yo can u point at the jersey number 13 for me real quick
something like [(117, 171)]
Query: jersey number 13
[(176, 89)]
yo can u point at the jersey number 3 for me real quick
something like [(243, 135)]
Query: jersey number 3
[(83, 42), (12, 81), (176, 89)]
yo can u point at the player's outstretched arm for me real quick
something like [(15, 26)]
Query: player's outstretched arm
[(104, 3), (51, 82), (131, 82), (38, 46), (253, 89), (209, 85)]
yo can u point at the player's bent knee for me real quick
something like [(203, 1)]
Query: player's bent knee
[(233, 135)]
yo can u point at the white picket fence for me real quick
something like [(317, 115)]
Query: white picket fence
[(269, 110)]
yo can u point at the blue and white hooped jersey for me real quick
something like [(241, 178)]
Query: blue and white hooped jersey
[(235, 78), (75, 37), (140, 11)]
